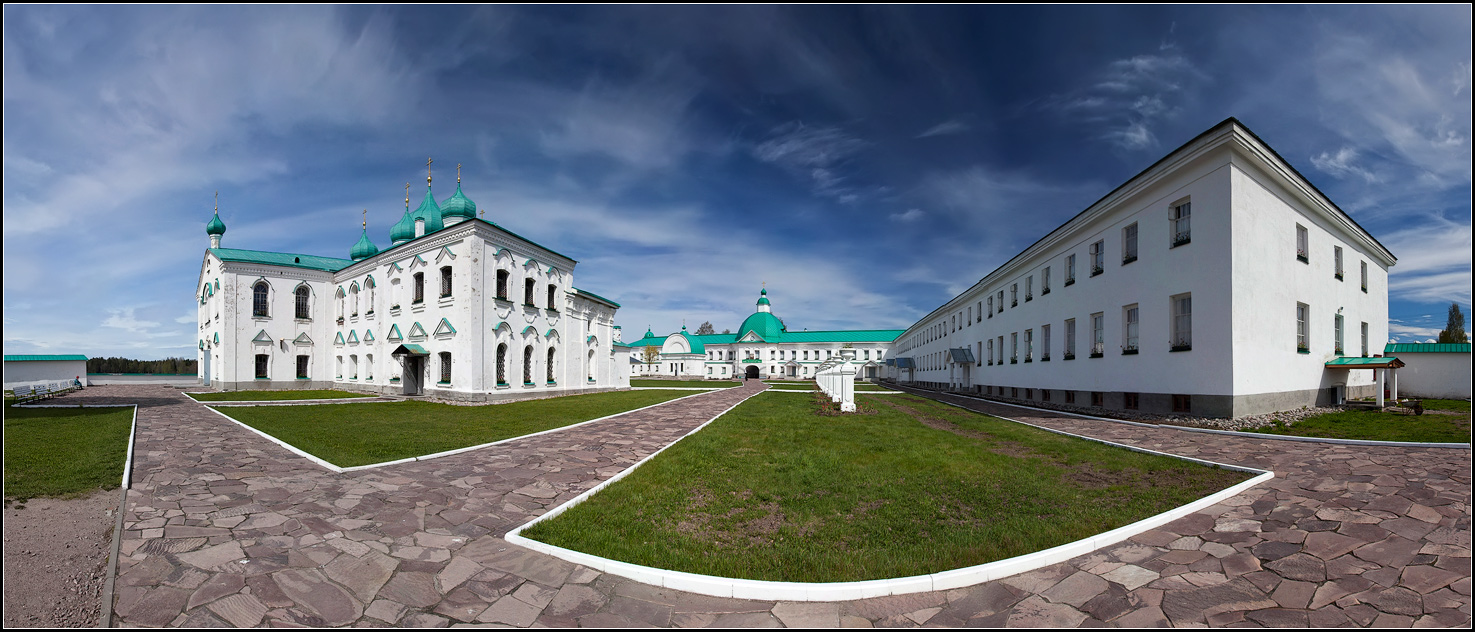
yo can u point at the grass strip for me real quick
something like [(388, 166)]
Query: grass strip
[(686, 383), (773, 491), (64, 452), (267, 396), (347, 435), (1367, 425)]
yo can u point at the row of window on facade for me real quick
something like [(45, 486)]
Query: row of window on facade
[(348, 301), (1303, 254), (793, 354)]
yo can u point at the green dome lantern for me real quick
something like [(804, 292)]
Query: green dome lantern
[(215, 227), (364, 248), (403, 230)]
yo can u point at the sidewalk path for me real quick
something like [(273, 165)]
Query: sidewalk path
[(225, 528)]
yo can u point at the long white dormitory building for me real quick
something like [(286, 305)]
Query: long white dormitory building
[(1218, 282)]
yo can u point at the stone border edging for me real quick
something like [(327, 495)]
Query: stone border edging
[(680, 388), (844, 591), (105, 618), (424, 457), (1235, 433)]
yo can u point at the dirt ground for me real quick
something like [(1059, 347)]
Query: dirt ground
[(56, 554)]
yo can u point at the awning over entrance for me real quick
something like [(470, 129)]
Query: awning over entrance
[(411, 350), (905, 363), (962, 355), (1365, 363)]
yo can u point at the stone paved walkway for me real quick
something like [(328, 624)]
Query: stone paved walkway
[(225, 528)]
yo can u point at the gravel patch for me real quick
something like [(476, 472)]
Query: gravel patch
[(56, 560)]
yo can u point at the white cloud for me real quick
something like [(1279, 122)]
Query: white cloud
[(1343, 164), (910, 215), (945, 128), (1131, 95), (816, 153), (1434, 262)]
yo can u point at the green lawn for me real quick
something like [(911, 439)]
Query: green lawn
[(773, 491), (686, 383), (265, 396), (810, 386), (360, 434), (1429, 427), (64, 452)]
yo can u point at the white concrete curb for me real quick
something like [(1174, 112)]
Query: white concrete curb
[(844, 591), (1235, 433), (334, 468), (128, 462)]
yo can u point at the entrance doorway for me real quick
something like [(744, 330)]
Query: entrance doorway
[(752, 373), (206, 372), (414, 368)]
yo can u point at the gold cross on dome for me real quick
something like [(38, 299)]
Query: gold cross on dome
[(458, 173), (427, 171), (217, 201), (407, 197), (366, 219)]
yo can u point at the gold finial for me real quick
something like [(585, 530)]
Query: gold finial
[(217, 202), (483, 213), (427, 172), (458, 173), (407, 197), (366, 219)]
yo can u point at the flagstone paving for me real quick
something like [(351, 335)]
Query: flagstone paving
[(223, 528)]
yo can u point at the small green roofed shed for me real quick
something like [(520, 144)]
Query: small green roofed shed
[(45, 358)]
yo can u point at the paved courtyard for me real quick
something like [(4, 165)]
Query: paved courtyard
[(225, 528)]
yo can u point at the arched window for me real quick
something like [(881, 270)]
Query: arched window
[(502, 364), (550, 365), (369, 367), (353, 300), (258, 299), (591, 365), (394, 293), (445, 367), (419, 287), (527, 294), (445, 281), (502, 276), (552, 297), (527, 365), (369, 286), (304, 309), (338, 303)]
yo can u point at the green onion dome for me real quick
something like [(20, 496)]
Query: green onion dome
[(403, 230), (215, 227), (364, 248), (430, 212), (458, 205)]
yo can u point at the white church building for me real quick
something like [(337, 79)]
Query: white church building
[(456, 307), (763, 347), (1218, 282)]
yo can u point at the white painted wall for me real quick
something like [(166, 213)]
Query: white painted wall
[(1435, 375), (45, 370)]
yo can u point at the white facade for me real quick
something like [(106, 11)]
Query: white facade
[(1217, 222), (763, 347), (495, 316)]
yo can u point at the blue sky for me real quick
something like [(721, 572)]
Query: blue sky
[(867, 163)]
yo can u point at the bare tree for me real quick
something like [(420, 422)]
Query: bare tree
[(650, 354), (705, 329)]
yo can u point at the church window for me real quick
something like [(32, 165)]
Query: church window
[(527, 365), (302, 367), (353, 367), (303, 309), (340, 367), (591, 366), (445, 281), (353, 299), (552, 297), (527, 292), (502, 276), (369, 286), (419, 288), (258, 299), (263, 361), (550, 365), (369, 367), (445, 367), (502, 364)]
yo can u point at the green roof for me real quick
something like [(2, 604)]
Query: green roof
[(787, 337), (1427, 347), (765, 324), (215, 227), (364, 248), (1348, 361), (311, 262), (597, 297), (44, 358), (458, 205)]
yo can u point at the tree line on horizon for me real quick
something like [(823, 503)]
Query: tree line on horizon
[(167, 366)]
